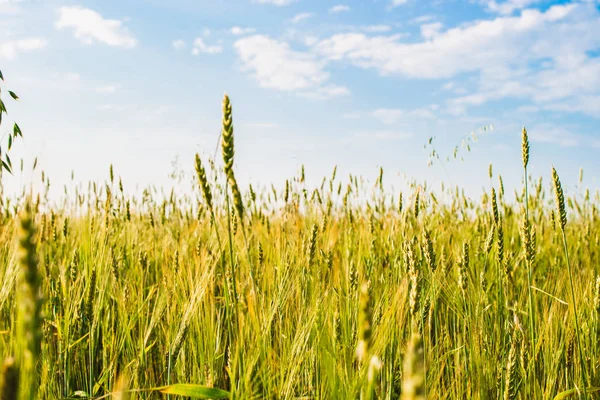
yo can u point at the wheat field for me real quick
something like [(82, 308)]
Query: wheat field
[(343, 291)]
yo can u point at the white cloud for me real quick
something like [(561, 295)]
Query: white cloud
[(201, 47), (376, 28), (301, 17), (275, 65), (453, 87), (339, 8), (528, 109), (73, 77), (9, 6), (10, 49), (352, 115), (586, 104), (239, 31), (275, 2), (464, 49), (422, 19), (547, 133), (430, 30), (396, 3), (543, 56), (107, 89), (509, 6), (326, 92), (89, 26), (310, 40), (178, 44)]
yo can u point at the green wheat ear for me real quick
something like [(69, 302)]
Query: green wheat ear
[(228, 153), (203, 180), (227, 137), (525, 148), (512, 383), (560, 199), (495, 207)]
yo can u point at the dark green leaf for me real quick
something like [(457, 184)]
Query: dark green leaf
[(9, 141), (6, 167), (194, 391), (17, 130), (34, 163), (8, 161), (13, 95), (1, 76)]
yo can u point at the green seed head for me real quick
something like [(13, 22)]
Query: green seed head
[(203, 181), (560, 199), (525, 147), (227, 137), (495, 207)]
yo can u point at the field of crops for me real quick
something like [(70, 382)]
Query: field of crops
[(342, 291)]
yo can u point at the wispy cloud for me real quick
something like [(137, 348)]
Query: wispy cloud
[(422, 19), (11, 48), (430, 30), (107, 89), (274, 64), (10, 6), (89, 26), (178, 44), (326, 92), (396, 3), (504, 54), (561, 136), (275, 2), (509, 6), (301, 17), (339, 8), (201, 47), (376, 28), (239, 31)]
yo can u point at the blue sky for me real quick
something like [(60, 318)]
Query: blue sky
[(358, 84)]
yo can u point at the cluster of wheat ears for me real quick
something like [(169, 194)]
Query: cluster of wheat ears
[(337, 292)]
